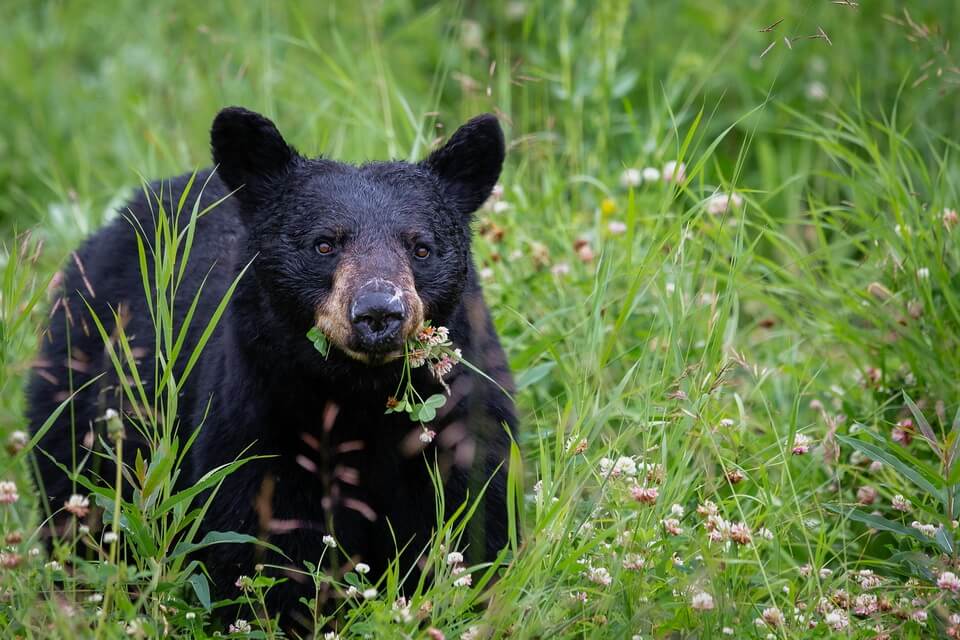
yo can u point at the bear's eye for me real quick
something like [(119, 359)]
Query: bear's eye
[(421, 251), (324, 248)]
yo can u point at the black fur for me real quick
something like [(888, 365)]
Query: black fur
[(260, 387)]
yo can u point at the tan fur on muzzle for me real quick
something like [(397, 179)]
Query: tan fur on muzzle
[(333, 316)]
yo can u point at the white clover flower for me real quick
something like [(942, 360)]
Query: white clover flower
[(900, 503), (631, 178), (837, 620), (240, 626), (369, 594), (616, 227), (454, 557), (625, 466), (948, 581), (352, 592), (77, 505), (463, 581), (110, 537), (676, 510), (650, 174), (8, 492), (362, 568), (600, 576), (329, 541), (702, 601), (816, 91), (674, 171), (722, 202)]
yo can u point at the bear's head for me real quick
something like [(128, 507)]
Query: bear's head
[(365, 253)]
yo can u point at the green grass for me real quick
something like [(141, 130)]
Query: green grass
[(697, 344)]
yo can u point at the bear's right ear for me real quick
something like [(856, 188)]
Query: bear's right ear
[(249, 152)]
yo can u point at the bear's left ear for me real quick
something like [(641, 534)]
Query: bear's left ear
[(470, 162), (249, 152)]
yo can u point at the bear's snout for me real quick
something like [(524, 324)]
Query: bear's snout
[(377, 315)]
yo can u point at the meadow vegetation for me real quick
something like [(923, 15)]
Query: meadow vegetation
[(723, 260)]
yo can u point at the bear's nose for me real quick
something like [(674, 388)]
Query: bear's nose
[(377, 317)]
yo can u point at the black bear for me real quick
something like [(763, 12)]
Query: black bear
[(367, 254)]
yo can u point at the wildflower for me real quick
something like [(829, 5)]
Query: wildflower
[(650, 174), (472, 633), (435, 634), (244, 583), (77, 505), (625, 465), (616, 227), (240, 626), (948, 581), (579, 596), (837, 620), (867, 579), (900, 503), (926, 529), (600, 576), (903, 432), (727, 422), (10, 560), (816, 91), (707, 508), (329, 542), (445, 364), (727, 631), (740, 533), (190, 615), (465, 580), (331, 635), (772, 617), (95, 598), (486, 273), (702, 601), (765, 533), (672, 526), (676, 510), (109, 537), (369, 594), (721, 202), (920, 615), (801, 444), (923, 273), (560, 269), (34, 552), (17, 441), (735, 476), (805, 571), (950, 219), (427, 436), (8, 492), (454, 557), (584, 251), (608, 206), (825, 573), (866, 604), (633, 561), (53, 565), (866, 495), (674, 171), (362, 568), (352, 592), (631, 178)]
